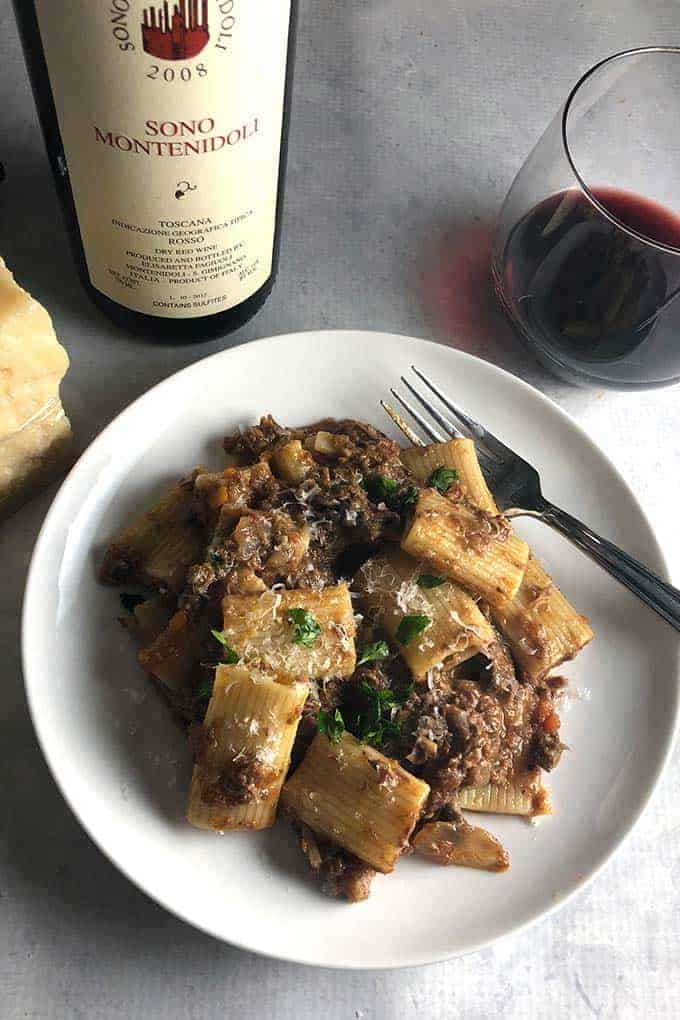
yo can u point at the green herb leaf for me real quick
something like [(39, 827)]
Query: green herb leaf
[(205, 690), (373, 737), (442, 478), (230, 655), (386, 697), (128, 601), (411, 626), (368, 690), (371, 653), (403, 698), (305, 628), (332, 725), (408, 499), (375, 725), (390, 730), (429, 581), (379, 487)]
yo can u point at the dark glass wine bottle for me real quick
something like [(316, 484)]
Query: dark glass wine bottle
[(166, 126)]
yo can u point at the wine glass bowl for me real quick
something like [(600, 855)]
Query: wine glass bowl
[(586, 255)]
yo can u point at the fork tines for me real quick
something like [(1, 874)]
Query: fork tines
[(456, 424)]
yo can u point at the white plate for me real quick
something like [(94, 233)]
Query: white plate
[(124, 768)]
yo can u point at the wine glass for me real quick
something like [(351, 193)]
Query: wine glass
[(586, 255)]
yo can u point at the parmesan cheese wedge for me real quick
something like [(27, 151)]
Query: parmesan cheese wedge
[(34, 431)]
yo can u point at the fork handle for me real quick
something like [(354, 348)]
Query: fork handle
[(660, 596)]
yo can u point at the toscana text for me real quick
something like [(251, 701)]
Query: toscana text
[(178, 137)]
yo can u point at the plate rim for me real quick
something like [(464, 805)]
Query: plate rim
[(37, 554)]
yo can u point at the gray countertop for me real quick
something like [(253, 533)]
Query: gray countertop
[(410, 120)]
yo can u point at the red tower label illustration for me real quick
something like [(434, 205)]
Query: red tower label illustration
[(178, 36)]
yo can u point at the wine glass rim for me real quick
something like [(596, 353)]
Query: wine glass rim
[(590, 195)]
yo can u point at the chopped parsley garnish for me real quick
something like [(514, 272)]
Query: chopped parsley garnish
[(205, 690), (370, 653), (442, 478), (375, 725), (230, 655), (128, 601), (429, 581), (379, 487), (411, 626), (408, 499), (332, 724), (305, 628)]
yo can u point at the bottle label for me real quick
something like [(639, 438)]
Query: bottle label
[(170, 115)]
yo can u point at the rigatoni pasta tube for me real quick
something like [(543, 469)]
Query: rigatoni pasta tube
[(458, 454), (457, 629), (541, 627), (262, 631), (149, 619), (466, 545), (174, 657), (248, 733), (523, 794), (355, 796), (160, 546)]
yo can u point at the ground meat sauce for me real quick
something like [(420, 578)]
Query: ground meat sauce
[(244, 781), (330, 507), (467, 726), (545, 750), (341, 874)]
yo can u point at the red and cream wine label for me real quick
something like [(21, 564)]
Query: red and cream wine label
[(170, 115)]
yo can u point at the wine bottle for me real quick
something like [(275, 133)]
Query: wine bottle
[(166, 126)]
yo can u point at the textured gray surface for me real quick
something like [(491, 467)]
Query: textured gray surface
[(410, 120)]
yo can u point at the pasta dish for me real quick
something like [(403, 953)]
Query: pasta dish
[(354, 639)]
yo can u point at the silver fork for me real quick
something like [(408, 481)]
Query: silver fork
[(516, 487)]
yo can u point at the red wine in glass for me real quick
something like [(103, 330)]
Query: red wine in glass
[(593, 301)]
